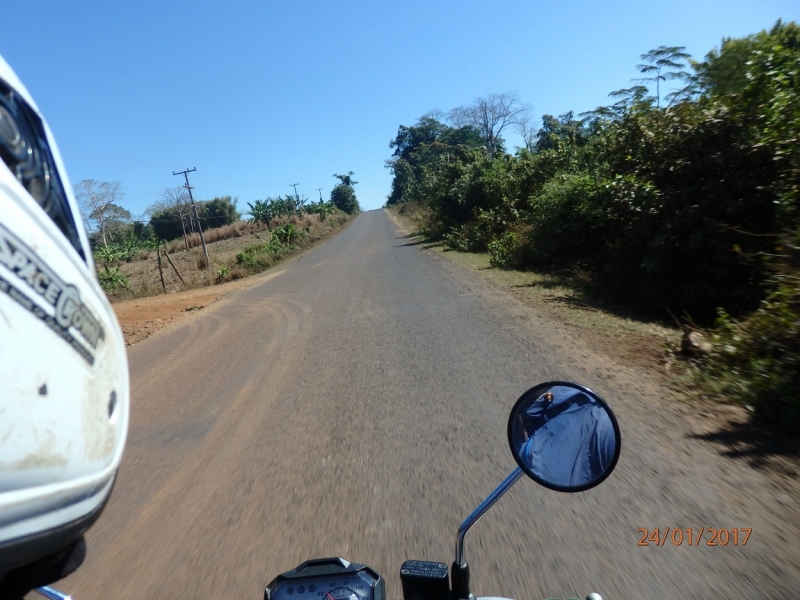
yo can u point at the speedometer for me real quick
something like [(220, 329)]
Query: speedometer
[(343, 593), (327, 579)]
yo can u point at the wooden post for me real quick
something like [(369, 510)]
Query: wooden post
[(173, 266), (160, 271)]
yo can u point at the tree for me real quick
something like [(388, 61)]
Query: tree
[(635, 97), (117, 222), (418, 145), (426, 131), (346, 179), (343, 196), (172, 208), (562, 130), (727, 70), (97, 201), (663, 57), (219, 211), (490, 116), (527, 130)]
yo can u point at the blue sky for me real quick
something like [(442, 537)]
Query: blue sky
[(259, 95)]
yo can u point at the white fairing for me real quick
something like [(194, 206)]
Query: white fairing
[(62, 359)]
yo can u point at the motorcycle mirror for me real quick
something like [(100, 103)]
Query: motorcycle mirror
[(564, 436)]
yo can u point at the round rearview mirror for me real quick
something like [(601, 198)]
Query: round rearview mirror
[(564, 436)]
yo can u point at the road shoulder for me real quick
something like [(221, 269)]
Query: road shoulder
[(626, 352), (140, 318)]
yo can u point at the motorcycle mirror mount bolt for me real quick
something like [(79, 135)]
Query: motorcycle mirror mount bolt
[(460, 572)]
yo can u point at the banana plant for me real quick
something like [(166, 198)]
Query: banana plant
[(106, 254), (323, 209), (285, 233)]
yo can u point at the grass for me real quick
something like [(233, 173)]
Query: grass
[(236, 251), (234, 230), (563, 296)]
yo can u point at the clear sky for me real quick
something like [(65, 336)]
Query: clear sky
[(258, 95)]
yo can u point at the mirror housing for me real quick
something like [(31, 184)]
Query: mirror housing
[(564, 436)]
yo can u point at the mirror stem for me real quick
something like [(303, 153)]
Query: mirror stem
[(52, 594), (478, 513)]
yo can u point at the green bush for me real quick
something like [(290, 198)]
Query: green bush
[(123, 251), (112, 280), (569, 222), (263, 255), (470, 237), (265, 211), (756, 361), (287, 234), (504, 252)]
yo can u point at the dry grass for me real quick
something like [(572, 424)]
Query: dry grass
[(223, 244), (564, 296), (234, 230)]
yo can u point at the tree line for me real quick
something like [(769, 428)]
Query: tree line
[(683, 202), (173, 216), (167, 219)]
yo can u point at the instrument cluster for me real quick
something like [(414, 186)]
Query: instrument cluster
[(327, 579)]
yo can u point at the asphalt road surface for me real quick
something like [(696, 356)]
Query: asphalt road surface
[(355, 405)]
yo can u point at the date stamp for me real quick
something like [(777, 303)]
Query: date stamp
[(707, 536)]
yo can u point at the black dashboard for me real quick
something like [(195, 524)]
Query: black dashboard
[(327, 579)]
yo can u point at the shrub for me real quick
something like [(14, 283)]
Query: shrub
[(262, 256), (266, 211), (569, 222), (112, 280), (287, 234), (756, 361), (504, 251)]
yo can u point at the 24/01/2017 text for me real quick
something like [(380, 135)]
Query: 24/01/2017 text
[(694, 537)]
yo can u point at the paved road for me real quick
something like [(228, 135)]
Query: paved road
[(356, 405)]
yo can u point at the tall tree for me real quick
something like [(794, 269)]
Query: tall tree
[(420, 145), (527, 129), (629, 98), (98, 204), (491, 115), (426, 131), (346, 179), (658, 61)]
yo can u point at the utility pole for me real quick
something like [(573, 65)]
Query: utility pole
[(294, 185), (194, 207), (320, 194)]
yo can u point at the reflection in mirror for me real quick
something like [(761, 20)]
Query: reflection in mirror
[(564, 436)]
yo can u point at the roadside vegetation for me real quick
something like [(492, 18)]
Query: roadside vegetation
[(677, 204), (343, 195), (136, 258)]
